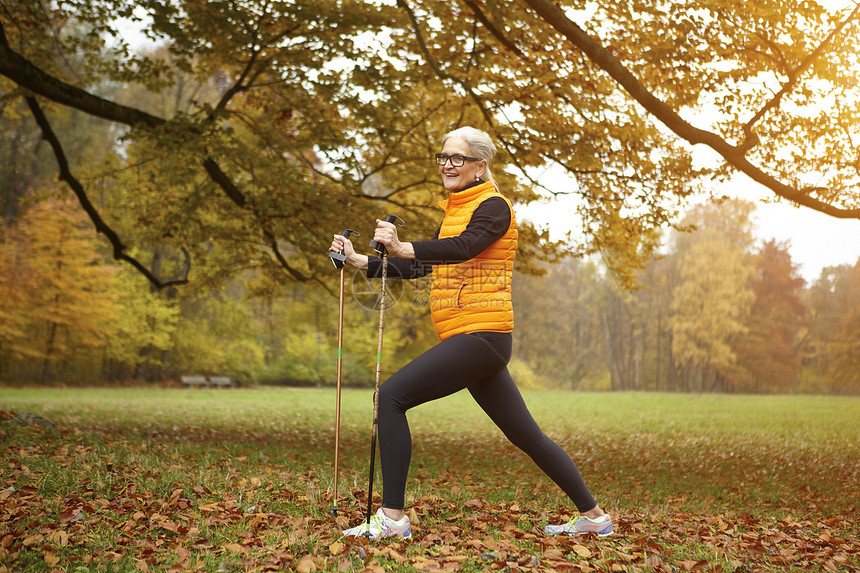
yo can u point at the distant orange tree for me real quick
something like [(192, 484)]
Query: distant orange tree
[(767, 355), (60, 308)]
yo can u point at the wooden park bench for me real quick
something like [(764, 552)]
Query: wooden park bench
[(221, 381), (192, 381)]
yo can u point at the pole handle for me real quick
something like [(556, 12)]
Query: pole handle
[(376, 245), (338, 259)]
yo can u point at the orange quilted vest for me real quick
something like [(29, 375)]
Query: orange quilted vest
[(474, 295)]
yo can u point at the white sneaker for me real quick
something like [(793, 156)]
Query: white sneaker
[(602, 526), (381, 526)]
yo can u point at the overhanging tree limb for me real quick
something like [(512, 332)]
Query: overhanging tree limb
[(21, 71), (66, 175), (796, 73), (734, 155)]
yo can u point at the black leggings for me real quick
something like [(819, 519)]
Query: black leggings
[(477, 361)]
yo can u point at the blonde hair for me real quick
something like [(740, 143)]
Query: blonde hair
[(479, 142)]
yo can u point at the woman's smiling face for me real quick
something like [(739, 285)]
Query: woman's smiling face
[(455, 178)]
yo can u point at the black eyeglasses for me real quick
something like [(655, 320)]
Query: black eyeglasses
[(456, 160)]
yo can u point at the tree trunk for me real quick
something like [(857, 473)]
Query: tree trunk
[(49, 351)]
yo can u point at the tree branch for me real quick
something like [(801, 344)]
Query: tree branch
[(25, 74), (224, 182), (734, 155), (273, 244), (439, 71), (18, 69), (238, 86), (462, 83), (795, 74), (479, 14), (66, 175)]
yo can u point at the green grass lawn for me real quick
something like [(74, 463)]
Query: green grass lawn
[(238, 480)]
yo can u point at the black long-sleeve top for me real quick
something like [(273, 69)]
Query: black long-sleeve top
[(489, 222)]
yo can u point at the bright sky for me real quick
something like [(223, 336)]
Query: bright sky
[(815, 240)]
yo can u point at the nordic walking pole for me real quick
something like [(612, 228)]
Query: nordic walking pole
[(381, 251), (339, 261)]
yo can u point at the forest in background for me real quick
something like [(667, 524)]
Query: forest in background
[(716, 312), (216, 166)]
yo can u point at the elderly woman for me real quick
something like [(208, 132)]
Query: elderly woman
[(471, 258)]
